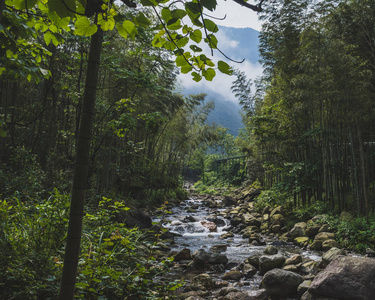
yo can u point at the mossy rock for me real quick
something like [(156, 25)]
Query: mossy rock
[(301, 241)]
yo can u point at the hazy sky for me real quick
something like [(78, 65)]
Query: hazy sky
[(239, 17), (236, 15)]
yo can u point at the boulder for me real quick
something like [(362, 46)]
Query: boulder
[(247, 269), (280, 283), (211, 226), (312, 230), (270, 250), (330, 255), (253, 259), (184, 254), (328, 244), (325, 228), (275, 211), (269, 262), (323, 236), (203, 281), (301, 241), (297, 230), (228, 201), (217, 258), (303, 287), (219, 248), (138, 219), (294, 260), (232, 275), (200, 255), (346, 278), (250, 220)]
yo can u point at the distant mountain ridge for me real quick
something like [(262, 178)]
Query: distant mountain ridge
[(227, 112)]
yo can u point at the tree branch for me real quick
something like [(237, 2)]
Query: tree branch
[(257, 8)]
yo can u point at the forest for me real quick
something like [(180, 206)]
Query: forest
[(93, 128)]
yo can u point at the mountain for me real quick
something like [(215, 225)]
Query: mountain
[(238, 44)]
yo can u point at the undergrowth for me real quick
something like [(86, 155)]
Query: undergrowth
[(116, 262)]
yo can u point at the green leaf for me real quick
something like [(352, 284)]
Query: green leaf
[(195, 48), (178, 13), (224, 67), (3, 133), (209, 4), (174, 24), (209, 74), (142, 20), (62, 23), (170, 46), (61, 8), (181, 61), (166, 14), (149, 3), (196, 76), (127, 28), (211, 41), (196, 36), (186, 69), (84, 27), (21, 4), (182, 42), (50, 37), (210, 25)]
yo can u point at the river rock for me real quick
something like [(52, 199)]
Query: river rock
[(203, 281), (184, 254), (330, 255), (270, 250), (247, 269), (328, 244), (325, 228), (253, 258), (309, 267), (297, 230), (200, 255), (312, 230), (278, 219), (269, 262), (138, 219), (249, 220), (291, 268), (303, 287), (294, 260), (320, 238), (346, 278), (232, 275), (280, 283), (275, 211), (228, 201), (227, 235), (219, 248), (211, 226), (217, 258), (301, 241)]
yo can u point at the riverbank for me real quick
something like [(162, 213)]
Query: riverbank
[(246, 254)]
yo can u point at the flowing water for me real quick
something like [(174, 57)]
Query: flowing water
[(186, 222)]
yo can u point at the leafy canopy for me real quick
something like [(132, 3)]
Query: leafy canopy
[(176, 27)]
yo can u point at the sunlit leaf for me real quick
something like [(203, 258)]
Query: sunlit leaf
[(209, 74), (224, 67), (196, 36), (84, 27), (209, 4)]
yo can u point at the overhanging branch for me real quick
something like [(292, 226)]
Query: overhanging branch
[(257, 8)]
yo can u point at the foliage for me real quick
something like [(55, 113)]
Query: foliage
[(117, 262), (273, 197), (32, 236)]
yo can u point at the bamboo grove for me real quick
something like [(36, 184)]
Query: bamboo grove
[(143, 128), (311, 118)]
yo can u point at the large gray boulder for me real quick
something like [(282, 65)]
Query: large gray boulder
[(280, 283), (346, 278), (269, 262)]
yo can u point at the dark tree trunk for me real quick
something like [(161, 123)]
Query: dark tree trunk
[(81, 170)]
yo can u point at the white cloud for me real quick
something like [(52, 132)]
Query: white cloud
[(237, 16)]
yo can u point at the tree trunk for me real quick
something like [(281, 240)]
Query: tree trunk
[(81, 170)]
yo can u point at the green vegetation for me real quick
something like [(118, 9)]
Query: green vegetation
[(116, 261)]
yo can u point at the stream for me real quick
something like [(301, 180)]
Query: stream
[(186, 222)]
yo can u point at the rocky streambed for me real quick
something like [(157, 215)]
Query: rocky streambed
[(224, 249)]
